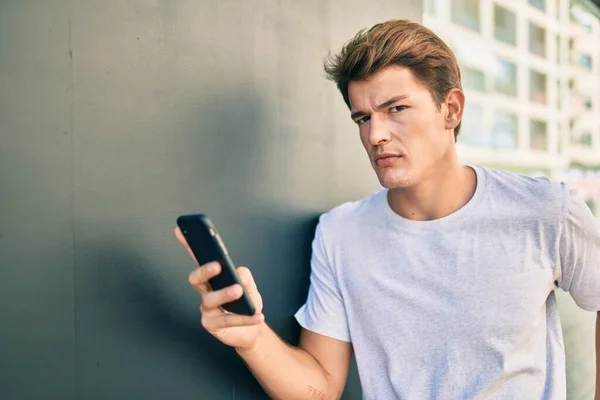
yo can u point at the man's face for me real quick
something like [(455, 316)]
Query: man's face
[(404, 133)]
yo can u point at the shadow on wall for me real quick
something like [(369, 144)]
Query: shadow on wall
[(131, 276), (235, 158), (132, 298)]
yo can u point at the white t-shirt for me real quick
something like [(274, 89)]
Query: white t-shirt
[(462, 307)]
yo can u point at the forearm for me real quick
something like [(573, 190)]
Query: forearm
[(285, 372)]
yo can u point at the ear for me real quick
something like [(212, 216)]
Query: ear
[(455, 103)]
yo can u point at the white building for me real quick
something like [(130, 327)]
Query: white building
[(531, 75)]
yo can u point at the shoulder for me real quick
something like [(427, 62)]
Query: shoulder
[(525, 193), (577, 214), (350, 214)]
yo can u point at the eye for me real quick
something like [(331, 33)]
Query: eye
[(362, 120), (397, 109)]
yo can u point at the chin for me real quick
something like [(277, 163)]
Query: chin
[(395, 179)]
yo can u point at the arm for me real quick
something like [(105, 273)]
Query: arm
[(317, 369)]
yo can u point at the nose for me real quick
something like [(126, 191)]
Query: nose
[(379, 132)]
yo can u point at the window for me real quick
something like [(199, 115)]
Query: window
[(570, 52), (506, 79), (466, 13), (539, 4), (582, 139), (586, 139), (581, 15), (558, 50), (473, 79), (505, 25), (505, 131), (538, 135), (537, 40), (472, 131), (585, 60), (588, 103), (537, 87)]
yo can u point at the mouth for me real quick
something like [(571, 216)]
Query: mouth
[(386, 159)]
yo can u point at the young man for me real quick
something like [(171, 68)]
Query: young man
[(443, 282)]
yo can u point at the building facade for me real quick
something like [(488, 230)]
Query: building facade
[(531, 75)]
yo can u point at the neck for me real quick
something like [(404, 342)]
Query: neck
[(442, 193)]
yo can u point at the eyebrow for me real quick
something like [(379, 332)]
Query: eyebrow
[(385, 104)]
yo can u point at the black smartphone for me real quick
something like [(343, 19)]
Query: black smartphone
[(207, 246)]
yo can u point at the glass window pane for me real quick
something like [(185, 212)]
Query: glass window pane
[(472, 131), (505, 134), (504, 25), (586, 61), (537, 40), (537, 87), (506, 80), (466, 13), (588, 103), (582, 15), (539, 4), (586, 139), (582, 138), (538, 135), (473, 79)]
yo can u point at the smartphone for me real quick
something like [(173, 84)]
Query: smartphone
[(207, 246)]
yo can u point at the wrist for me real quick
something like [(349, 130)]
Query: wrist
[(251, 348)]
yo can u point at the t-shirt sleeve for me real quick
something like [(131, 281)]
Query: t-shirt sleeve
[(324, 311), (579, 250)]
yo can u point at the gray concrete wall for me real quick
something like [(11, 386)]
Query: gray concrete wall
[(115, 117)]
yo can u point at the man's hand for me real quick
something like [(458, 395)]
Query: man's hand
[(239, 331)]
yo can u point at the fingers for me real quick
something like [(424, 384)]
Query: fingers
[(247, 279), (213, 314), (211, 300), (224, 320), (199, 277)]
